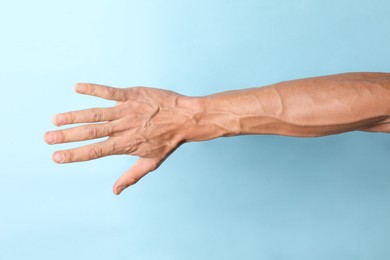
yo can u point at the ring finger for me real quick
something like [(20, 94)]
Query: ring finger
[(80, 133)]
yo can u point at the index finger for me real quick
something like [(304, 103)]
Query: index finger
[(101, 91)]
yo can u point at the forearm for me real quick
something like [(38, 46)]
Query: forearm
[(305, 107)]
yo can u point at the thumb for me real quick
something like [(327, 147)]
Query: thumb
[(142, 167)]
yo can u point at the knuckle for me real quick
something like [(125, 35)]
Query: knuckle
[(91, 88), (117, 146), (111, 92), (92, 132), (109, 129), (60, 137), (71, 117), (131, 148), (154, 165), (95, 152), (113, 148), (131, 180), (98, 115), (69, 156)]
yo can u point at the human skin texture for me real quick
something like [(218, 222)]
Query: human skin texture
[(152, 123)]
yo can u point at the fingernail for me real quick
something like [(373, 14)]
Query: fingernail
[(59, 157), (80, 88), (60, 119), (50, 138)]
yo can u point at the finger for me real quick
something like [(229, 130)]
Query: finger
[(142, 167), (85, 153), (86, 116), (80, 133), (101, 91)]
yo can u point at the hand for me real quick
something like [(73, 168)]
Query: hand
[(146, 122)]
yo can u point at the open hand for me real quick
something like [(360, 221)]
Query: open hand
[(146, 122)]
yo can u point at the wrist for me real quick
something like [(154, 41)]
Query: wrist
[(237, 112), (208, 119)]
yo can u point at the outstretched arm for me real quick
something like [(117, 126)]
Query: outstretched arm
[(151, 123)]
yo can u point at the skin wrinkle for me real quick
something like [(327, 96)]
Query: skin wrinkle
[(95, 152), (109, 129), (60, 136), (98, 115), (72, 117), (92, 131), (70, 155), (133, 145), (113, 147)]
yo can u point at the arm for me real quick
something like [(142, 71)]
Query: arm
[(304, 108), (151, 123)]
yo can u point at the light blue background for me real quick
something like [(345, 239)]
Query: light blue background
[(248, 197)]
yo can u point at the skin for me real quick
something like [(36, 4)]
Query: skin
[(152, 123)]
